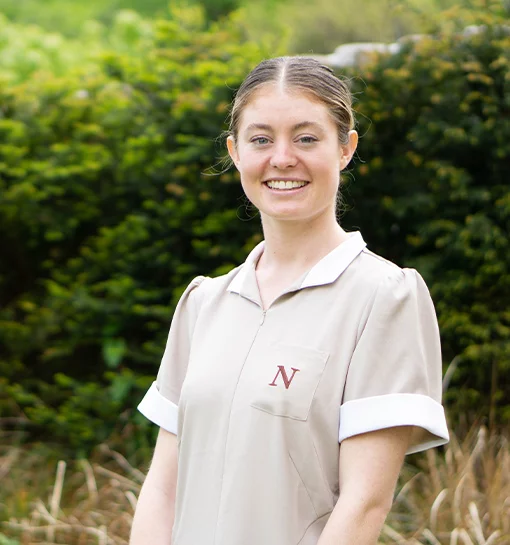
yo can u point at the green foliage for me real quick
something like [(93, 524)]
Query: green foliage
[(215, 9), (107, 209), (27, 52), (4, 540), (69, 18), (81, 414), (321, 26), (317, 27), (432, 191)]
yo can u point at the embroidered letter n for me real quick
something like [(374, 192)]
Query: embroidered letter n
[(283, 373)]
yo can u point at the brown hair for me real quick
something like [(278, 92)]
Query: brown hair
[(303, 73)]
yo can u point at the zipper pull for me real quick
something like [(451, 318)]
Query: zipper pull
[(263, 317)]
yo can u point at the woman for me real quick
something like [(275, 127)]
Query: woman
[(292, 387)]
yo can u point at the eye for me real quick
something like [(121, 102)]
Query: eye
[(260, 140), (307, 139)]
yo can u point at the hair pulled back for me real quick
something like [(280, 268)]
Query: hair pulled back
[(298, 73)]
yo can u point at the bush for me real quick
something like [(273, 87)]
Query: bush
[(433, 191), (108, 210), (323, 25), (70, 19), (31, 52)]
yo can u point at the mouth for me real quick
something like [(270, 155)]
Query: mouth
[(285, 185)]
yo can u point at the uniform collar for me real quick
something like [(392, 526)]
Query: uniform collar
[(326, 271)]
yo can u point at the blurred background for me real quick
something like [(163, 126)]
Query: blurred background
[(113, 196)]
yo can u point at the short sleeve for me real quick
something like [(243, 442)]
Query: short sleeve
[(160, 402), (394, 376)]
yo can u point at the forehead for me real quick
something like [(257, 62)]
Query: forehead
[(279, 107)]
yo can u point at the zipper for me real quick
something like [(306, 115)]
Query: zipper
[(227, 433), (263, 317)]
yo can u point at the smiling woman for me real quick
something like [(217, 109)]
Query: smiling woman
[(290, 155), (292, 387)]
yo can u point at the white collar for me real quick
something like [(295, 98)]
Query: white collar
[(326, 271)]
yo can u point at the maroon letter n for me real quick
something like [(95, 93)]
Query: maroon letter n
[(286, 379)]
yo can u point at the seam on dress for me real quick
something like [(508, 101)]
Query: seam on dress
[(194, 293), (365, 313), (310, 431), (304, 485), (311, 524), (380, 258), (321, 468)]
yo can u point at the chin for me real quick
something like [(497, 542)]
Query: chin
[(287, 215)]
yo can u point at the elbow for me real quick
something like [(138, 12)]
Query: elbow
[(371, 516), (378, 513), (371, 509), (379, 505)]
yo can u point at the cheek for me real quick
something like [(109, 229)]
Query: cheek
[(327, 168), (248, 173), (250, 166)]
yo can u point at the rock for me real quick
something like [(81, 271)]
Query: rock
[(356, 53)]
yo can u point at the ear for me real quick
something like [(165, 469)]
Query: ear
[(232, 151), (348, 149)]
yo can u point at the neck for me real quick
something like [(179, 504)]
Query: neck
[(297, 246)]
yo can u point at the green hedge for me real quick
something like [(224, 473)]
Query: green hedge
[(432, 190), (108, 208), (30, 52)]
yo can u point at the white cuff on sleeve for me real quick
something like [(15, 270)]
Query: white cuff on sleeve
[(386, 411), (159, 409)]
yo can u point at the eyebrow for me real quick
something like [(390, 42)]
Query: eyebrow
[(296, 127)]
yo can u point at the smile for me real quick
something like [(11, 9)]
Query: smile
[(283, 185)]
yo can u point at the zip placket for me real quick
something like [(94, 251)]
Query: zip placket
[(261, 322)]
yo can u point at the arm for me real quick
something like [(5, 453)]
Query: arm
[(369, 465), (154, 514)]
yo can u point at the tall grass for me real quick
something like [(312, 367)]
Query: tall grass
[(461, 497), (457, 497), (81, 502)]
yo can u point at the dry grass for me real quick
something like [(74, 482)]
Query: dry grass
[(461, 497), (86, 504)]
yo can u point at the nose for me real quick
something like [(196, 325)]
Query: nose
[(283, 156)]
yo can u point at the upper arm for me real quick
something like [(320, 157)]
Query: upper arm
[(369, 465), (163, 468)]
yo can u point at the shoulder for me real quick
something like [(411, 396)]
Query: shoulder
[(208, 287), (377, 276), (371, 270)]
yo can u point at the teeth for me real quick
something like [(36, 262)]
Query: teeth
[(280, 184)]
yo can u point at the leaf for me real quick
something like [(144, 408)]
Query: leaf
[(113, 352)]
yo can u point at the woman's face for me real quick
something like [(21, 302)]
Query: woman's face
[(288, 155)]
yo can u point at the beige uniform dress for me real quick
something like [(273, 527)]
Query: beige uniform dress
[(260, 400)]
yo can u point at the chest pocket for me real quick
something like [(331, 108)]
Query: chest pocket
[(286, 380)]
